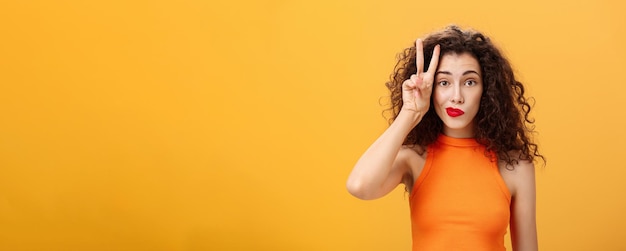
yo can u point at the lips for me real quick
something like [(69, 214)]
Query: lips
[(454, 112)]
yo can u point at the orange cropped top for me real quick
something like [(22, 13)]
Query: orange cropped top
[(459, 201)]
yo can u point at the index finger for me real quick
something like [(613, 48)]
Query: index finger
[(419, 56)]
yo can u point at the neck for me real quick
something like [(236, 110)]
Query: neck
[(462, 133)]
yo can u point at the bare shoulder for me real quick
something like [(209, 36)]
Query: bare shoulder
[(413, 159), (519, 176)]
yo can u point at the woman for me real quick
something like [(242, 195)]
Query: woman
[(459, 140)]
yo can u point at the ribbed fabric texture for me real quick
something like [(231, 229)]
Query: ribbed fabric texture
[(459, 201)]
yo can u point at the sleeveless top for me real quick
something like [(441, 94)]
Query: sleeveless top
[(459, 201)]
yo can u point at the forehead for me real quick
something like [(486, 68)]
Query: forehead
[(454, 62)]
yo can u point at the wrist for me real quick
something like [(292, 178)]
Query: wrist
[(409, 117)]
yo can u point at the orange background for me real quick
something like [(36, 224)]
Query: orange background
[(233, 125)]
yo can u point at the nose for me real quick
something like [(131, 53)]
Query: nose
[(457, 95)]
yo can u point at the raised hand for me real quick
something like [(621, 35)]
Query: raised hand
[(417, 89)]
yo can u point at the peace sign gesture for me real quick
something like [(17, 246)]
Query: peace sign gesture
[(417, 89)]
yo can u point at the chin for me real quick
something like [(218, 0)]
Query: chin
[(457, 125)]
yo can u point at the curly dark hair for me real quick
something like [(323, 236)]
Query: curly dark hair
[(502, 123)]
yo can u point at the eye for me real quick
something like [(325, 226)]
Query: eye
[(470, 83), (443, 83)]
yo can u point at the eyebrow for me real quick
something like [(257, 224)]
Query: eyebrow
[(464, 73)]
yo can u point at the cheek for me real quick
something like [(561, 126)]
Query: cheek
[(478, 95), (476, 98), (438, 101), (438, 97)]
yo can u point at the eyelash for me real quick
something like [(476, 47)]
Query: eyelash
[(468, 83)]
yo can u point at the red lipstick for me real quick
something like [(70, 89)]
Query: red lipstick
[(454, 112)]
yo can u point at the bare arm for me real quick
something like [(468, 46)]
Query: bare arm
[(523, 209), (380, 170)]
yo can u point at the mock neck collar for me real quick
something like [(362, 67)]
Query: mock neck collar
[(447, 140)]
